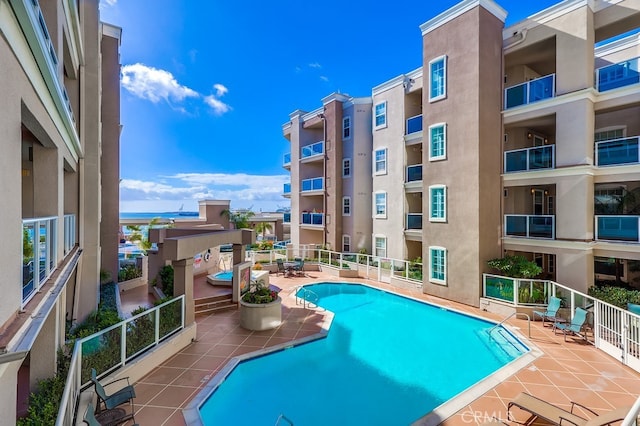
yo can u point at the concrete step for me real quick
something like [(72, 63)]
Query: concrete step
[(207, 306)]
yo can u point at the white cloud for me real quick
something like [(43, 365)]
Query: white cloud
[(220, 89), (315, 65), (154, 84), (324, 78), (108, 3), (216, 104)]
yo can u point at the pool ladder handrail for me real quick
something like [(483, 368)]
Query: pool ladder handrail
[(285, 418), (306, 302), (508, 317)]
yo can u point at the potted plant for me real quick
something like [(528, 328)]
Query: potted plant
[(260, 307)]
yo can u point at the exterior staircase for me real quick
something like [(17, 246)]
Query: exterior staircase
[(213, 304)]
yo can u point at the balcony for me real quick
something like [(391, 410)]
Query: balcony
[(530, 91), (69, 232), (534, 158), (617, 75), (312, 152), (529, 226), (312, 185), (314, 219), (414, 124), (617, 151), (286, 218), (286, 190), (618, 228), (414, 173), (414, 221), (286, 161)]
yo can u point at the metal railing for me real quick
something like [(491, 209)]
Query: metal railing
[(312, 150), (618, 75), (616, 331), (116, 346), (534, 158), (530, 91), (529, 226), (313, 184), (39, 254), (618, 228), (617, 151), (414, 173), (414, 124)]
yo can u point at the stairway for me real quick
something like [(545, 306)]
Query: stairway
[(214, 304)]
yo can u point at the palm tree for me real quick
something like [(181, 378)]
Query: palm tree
[(239, 219), (263, 227), (145, 243)]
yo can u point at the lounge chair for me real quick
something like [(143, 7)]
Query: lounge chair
[(122, 396), (113, 417), (281, 268), (575, 327), (558, 416), (552, 310)]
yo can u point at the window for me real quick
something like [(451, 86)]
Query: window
[(346, 206), (380, 157), (346, 167), (437, 203), (380, 115), (381, 247), (609, 134), (438, 265), (346, 127), (346, 243), (438, 79), (438, 142), (380, 210)]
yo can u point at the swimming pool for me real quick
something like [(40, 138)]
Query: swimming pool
[(386, 360), (228, 276)]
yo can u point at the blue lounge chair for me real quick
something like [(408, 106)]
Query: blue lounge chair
[(115, 416), (552, 310), (122, 396), (579, 318)]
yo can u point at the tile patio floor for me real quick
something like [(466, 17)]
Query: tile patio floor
[(570, 371)]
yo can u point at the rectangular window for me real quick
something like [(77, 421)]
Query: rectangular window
[(381, 205), (346, 243), (381, 246), (346, 167), (438, 142), (607, 135), (346, 127), (380, 157), (438, 78), (380, 115), (438, 265), (346, 206), (437, 203)]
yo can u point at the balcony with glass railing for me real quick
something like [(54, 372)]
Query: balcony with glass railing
[(286, 161), (618, 228), (527, 159), (414, 124), (414, 221), (69, 232), (286, 189), (312, 152), (617, 75), (314, 184), (530, 91), (286, 218), (529, 226), (39, 253), (617, 152), (414, 173), (315, 219)]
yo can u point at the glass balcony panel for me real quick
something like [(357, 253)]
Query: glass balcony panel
[(618, 228), (516, 161), (286, 188), (306, 185), (42, 251), (516, 226), (286, 218), (287, 159), (541, 88), (316, 218), (541, 157), (313, 149), (541, 226), (535, 158), (618, 75), (52, 253), (516, 95), (414, 124), (414, 221), (530, 91), (414, 173), (28, 259), (316, 184), (618, 151)]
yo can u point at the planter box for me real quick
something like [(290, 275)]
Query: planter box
[(262, 316)]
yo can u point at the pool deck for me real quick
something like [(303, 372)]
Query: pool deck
[(571, 371)]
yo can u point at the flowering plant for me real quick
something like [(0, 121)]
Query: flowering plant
[(260, 293)]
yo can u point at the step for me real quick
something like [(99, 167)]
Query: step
[(210, 306), (212, 299)]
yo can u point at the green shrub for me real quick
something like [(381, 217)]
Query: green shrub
[(515, 266), (166, 280), (617, 296), (128, 272)]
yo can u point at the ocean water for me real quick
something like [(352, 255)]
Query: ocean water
[(162, 215)]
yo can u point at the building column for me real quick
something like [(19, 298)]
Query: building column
[(575, 269), (238, 253), (155, 263), (183, 284)]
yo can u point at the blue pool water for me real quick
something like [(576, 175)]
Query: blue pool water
[(228, 275), (387, 360)]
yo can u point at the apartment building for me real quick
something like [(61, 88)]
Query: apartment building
[(59, 169), (330, 166)]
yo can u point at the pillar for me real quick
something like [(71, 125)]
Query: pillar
[(183, 284)]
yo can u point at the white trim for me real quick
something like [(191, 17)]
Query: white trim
[(313, 114), (348, 199), (334, 97), (446, 261), (396, 81), (442, 58), (616, 46), (350, 165), (444, 155), (375, 125), (375, 247), (459, 9), (544, 16), (375, 205), (347, 117), (444, 208), (386, 161)]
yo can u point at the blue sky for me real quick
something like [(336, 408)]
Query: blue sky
[(207, 85)]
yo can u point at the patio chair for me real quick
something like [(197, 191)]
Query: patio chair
[(552, 310), (575, 327), (113, 417), (541, 409), (122, 396), (300, 268), (281, 268)]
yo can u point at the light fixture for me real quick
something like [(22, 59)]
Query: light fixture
[(529, 135), (533, 190), (546, 192)]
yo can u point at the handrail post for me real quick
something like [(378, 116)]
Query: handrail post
[(123, 343), (157, 327)]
